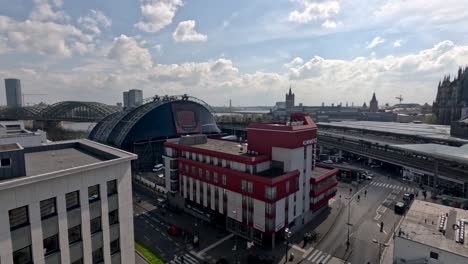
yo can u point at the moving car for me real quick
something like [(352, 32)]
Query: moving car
[(327, 162), (158, 167), (400, 208), (173, 230)]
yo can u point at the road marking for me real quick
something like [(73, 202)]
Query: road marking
[(313, 254), (377, 217), (385, 232), (326, 259), (214, 245), (320, 259), (317, 256)]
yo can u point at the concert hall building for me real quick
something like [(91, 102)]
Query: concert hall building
[(255, 189)]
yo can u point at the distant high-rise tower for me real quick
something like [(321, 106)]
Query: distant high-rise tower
[(289, 99), (132, 98), (125, 99), (374, 104), (13, 92)]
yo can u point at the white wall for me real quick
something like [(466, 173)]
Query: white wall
[(410, 250), (280, 214), (32, 194), (259, 215)]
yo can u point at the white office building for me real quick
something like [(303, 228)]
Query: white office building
[(432, 234), (14, 132), (65, 202)]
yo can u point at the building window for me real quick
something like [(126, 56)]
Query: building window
[(74, 234), (95, 225), (93, 193), (208, 175), (5, 162), (186, 169), (270, 192), (114, 217), (250, 187), (193, 171), (48, 208), (269, 209), (111, 187), (51, 245), (287, 187), (215, 177), (72, 200), (23, 256), (19, 217), (98, 257), (243, 185), (80, 261), (115, 246), (434, 255), (297, 183), (224, 179), (200, 172)]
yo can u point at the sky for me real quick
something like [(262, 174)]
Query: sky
[(249, 51)]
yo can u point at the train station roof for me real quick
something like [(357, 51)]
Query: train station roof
[(426, 131), (459, 154)]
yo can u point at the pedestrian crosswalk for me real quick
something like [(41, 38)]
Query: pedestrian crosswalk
[(392, 186), (318, 257), (185, 259)]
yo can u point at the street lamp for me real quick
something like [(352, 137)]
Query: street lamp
[(235, 244), (287, 235), (380, 247)]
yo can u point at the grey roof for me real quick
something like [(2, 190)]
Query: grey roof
[(427, 131), (459, 154), (421, 224)]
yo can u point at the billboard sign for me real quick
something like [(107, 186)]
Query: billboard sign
[(186, 118)]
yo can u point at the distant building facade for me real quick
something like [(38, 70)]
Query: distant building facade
[(290, 99), (374, 104), (132, 98), (452, 97), (13, 92)]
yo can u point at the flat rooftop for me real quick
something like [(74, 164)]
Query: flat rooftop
[(229, 147), (421, 224), (318, 171), (428, 131), (63, 155), (55, 160)]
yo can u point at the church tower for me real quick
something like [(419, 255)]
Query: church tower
[(289, 99), (374, 104)]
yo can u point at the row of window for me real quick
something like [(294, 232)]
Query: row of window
[(219, 162), (207, 174), (19, 217)]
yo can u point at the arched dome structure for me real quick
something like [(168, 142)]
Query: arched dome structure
[(144, 129)]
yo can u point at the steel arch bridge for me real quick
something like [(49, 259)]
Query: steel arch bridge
[(74, 111)]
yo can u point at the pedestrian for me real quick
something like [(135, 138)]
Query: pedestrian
[(182, 259), (365, 193), (340, 196), (358, 198)]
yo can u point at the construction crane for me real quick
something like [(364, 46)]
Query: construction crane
[(22, 96), (400, 98)]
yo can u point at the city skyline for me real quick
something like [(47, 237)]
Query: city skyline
[(251, 52)]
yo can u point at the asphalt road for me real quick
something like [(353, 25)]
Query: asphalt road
[(365, 217)]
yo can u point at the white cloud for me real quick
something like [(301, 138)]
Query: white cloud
[(185, 32), (46, 38), (95, 21), (158, 49), (157, 14), (415, 74), (397, 43), (128, 52), (45, 10), (314, 10), (375, 41), (329, 24)]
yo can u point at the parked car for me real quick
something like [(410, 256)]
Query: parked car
[(173, 230), (158, 167), (369, 177), (407, 197), (327, 162), (400, 208)]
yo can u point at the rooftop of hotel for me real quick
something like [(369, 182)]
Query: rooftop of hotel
[(421, 224)]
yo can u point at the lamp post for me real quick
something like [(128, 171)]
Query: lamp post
[(380, 247), (287, 235), (235, 243), (348, 242)]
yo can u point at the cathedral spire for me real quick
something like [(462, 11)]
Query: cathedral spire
[(290, 92)]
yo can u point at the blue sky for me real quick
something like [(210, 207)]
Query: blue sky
[(330, 51)]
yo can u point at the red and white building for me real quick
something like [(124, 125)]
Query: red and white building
[(255, 190)]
